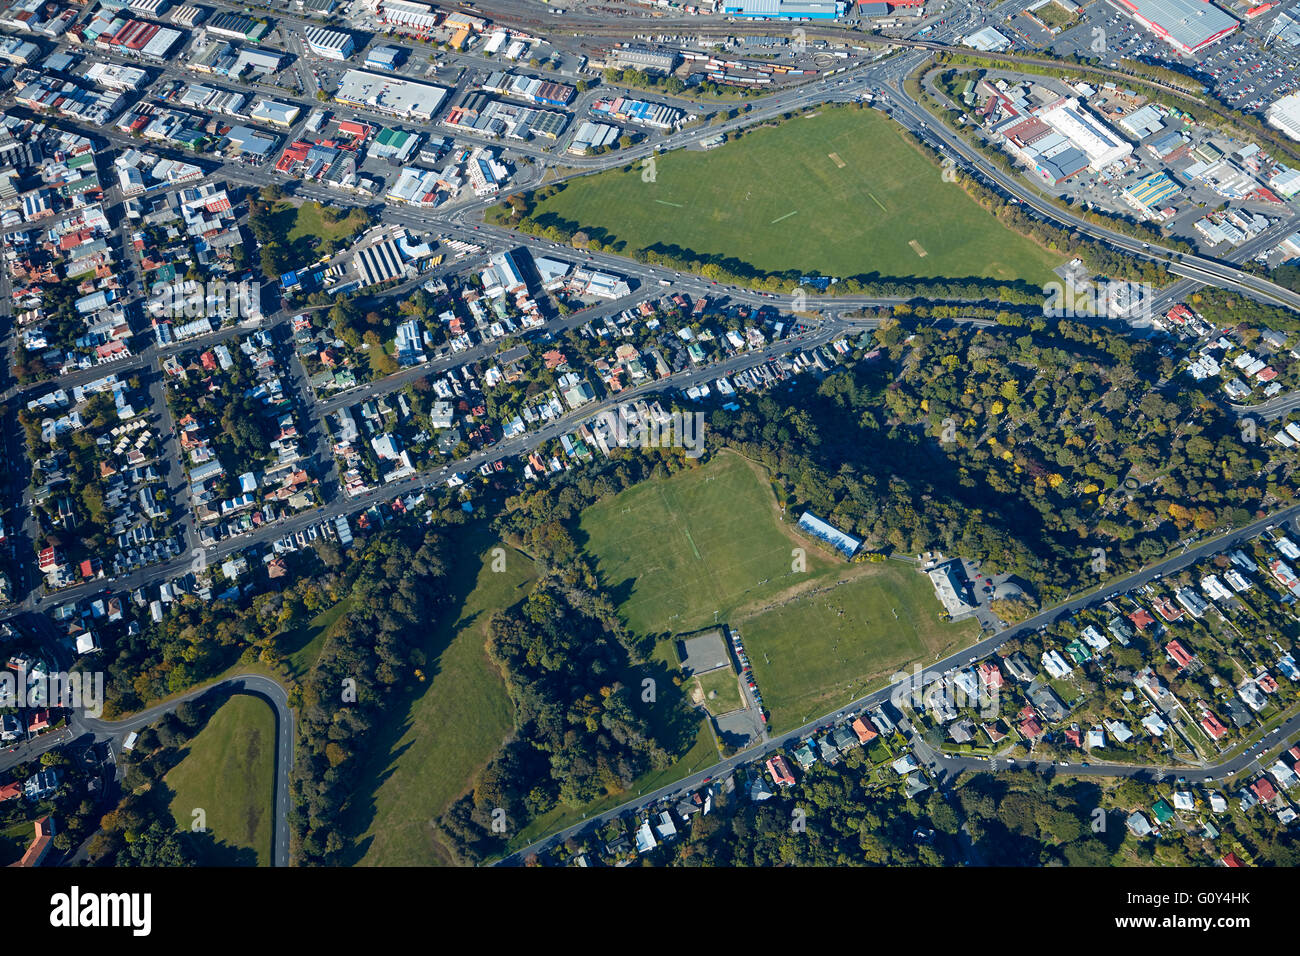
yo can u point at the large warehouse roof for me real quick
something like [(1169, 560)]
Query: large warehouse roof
[(785, 9), (1186, 25), (1285, 115), (390, 94)]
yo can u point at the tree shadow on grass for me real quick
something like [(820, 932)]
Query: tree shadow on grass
[(386, 748)]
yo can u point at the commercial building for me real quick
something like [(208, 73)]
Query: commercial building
[(642, 58), (543, 92), (784, 9), (1142, 123), (114, 76), (331, 44), (385, 57), (1285, 182), (209, 99), (593, 136), (419, 187), (480, 114), (138, 38), (409, 17), (390, 95), (640, 112), (18, 52), (1102, 145), (1151, 192), (251, 142), (380, 262), (1186, 25), (394, 145), (988, 40), (223, 58), (1285, 115), (485, 171), (187, 15), (236, 26), (277, 114)]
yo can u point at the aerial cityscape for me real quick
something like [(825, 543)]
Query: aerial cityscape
[(605, 433)]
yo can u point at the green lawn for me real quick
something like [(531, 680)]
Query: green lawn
[(229, 774), (15, 840), (726, 686), (841, 193), (826, 648), (455, 726), (303, 226), (674, 551), (302, 645)]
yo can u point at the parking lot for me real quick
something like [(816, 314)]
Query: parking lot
[(1240, 69)]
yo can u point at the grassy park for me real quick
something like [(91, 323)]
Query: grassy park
[(229, 774), (304, 227), (674, 551), (838, 193), (721, 690), (834, 644), (456, 723)]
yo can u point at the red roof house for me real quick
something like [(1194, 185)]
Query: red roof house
[(1213, 726), (865, 730), (1179, 654), (40, 848), (780, 771)]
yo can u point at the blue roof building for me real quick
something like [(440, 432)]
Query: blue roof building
[(785, 9), (815, 526)]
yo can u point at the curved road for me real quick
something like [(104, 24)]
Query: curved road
[(254, 684)]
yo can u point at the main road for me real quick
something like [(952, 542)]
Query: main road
[(1188, 265)]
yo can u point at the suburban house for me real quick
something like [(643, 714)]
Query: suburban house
[(780, 771)]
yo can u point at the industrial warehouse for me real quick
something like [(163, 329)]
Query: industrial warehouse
[(331, 44), (1057, 136), (1186, 25), (386, 94), (786, 9)]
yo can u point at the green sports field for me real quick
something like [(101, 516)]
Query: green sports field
[(677, 550), (229, 774), (674, 551), (833, 645), (839, 193)]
